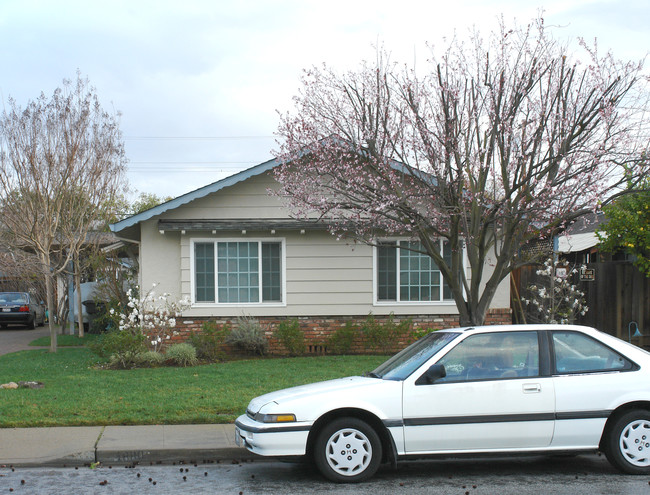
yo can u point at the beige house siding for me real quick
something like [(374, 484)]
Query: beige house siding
[(323, 276), (248, 199)]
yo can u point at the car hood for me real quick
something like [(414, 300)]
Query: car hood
[(313, 390)]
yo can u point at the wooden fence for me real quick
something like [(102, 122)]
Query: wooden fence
[(618, 299)]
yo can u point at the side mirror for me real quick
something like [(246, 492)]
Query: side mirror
[(435, 372)]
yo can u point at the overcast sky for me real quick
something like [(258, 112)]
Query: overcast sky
[(199, 83)]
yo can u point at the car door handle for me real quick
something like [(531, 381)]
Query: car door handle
[(532, 388)]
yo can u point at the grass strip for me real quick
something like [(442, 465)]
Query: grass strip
[(65, 340), (78, 393)]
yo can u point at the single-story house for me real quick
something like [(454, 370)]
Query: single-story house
[(233, 249)]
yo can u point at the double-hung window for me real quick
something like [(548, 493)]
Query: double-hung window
[(403, 273), (237, 272)]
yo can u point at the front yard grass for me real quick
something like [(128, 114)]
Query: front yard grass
[(65, 340), (77, 393)]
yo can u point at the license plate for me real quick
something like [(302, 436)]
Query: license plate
[(6, 310), (238, 438)]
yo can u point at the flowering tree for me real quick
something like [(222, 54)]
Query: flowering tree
[(504, 140), (555, 298), (152, 315)]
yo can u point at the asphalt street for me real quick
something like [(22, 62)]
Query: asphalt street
[(580, 475)]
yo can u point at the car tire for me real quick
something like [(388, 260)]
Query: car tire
[(31, 325), (347, 450), (627, 444)]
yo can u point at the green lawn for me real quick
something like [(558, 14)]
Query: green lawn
[(78, 393), (64, 340)]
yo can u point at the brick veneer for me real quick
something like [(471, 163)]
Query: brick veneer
[(317, 329)]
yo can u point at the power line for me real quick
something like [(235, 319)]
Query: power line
[(182, 170), (199, 138), (182, 162)]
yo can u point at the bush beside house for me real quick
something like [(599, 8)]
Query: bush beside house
[(328, 335)]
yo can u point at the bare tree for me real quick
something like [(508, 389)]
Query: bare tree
[(61, 159), (20, 271), (501, 142)]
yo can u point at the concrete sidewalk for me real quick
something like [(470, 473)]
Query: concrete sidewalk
[(79, 445)]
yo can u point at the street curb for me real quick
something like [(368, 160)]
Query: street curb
[(167, 456), (77, 459), (126, 457)]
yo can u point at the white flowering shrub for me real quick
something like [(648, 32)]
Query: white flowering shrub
[(555, 298), (152, 315)]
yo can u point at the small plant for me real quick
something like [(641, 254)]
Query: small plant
[(248, 336), (123, 347), (383, 337), (150, 359), (291, 337), (341, 341), (209, 343), (182, 354), (151, 315)]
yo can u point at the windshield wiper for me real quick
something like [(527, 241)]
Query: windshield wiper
[(371, 374)]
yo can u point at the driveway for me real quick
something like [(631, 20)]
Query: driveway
[(12, 340)]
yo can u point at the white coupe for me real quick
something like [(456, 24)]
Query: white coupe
[(493, 389)]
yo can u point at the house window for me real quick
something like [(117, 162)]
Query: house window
[(405, 275), (236, 272), (204, 271)]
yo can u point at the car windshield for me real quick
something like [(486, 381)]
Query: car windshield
[(405, 362)]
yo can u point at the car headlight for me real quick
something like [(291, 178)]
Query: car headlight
[(275, 418)]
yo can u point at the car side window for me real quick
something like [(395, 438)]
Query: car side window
[(490, 356), (578, 353)]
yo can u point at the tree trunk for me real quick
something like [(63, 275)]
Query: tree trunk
[(77, 285), (50, 302)]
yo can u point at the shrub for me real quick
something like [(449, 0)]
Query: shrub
[(383, 337), (340, 342), (248, 336), (151, 315), (418, 333), (182, 354), (150, 359), (122, 346), (209, 342), (291, 337), (104, 319)]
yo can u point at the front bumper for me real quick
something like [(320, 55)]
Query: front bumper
[(272, 439)]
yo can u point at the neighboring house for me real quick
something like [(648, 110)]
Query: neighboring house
[(579, 243), (233, 249), (617, 293)]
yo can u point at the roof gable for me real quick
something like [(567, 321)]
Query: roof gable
[(193, 195)]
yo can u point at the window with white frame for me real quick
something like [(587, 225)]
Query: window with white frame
[(404, 274), (237, 272)]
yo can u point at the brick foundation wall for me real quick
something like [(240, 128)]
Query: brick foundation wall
[(318, 329)]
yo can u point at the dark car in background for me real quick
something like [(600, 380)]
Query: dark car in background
[(20, 308)]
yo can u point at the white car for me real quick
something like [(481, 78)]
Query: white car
[(493, 389)]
